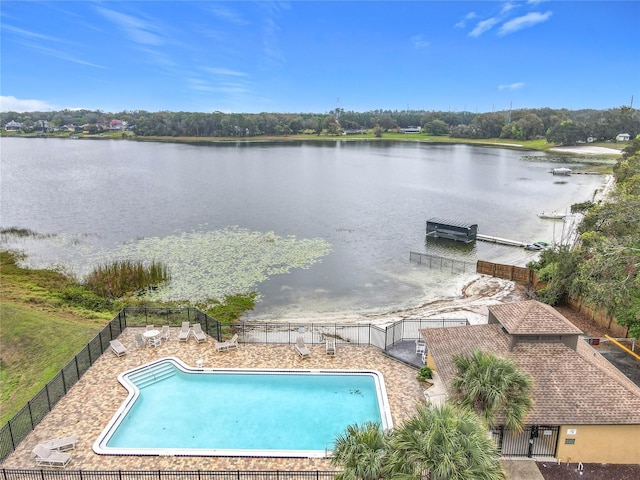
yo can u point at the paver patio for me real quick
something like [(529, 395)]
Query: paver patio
[(91, 403)]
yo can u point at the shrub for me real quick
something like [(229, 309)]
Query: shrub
[(425, 373)]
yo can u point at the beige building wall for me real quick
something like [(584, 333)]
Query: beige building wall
[(430, 363), (599, 444)]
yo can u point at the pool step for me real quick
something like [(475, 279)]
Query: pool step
[(153, 375)]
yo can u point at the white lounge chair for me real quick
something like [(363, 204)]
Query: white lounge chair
[(117, 348), (61, 444), (421, 348), (301, 348), (228, 345), (165, 333), (197, 332), (330, 346), (185, 330), (50, 458)]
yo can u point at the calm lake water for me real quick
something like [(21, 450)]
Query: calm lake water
[(368, 200)]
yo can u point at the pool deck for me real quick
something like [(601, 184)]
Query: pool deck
[(91, 403)]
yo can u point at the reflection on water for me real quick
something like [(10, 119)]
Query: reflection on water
[(368, 200)]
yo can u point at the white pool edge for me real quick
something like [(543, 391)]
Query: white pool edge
[(100, 445)]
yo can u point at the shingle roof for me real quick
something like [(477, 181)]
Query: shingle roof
[(568, 388), (532, 317)]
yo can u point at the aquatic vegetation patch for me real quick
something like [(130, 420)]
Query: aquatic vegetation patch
[(215, 264), (118, 278), (17, 232)]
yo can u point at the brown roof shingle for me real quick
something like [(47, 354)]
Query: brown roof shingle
[(532, 317), (567, 387)]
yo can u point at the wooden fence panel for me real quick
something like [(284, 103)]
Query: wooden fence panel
[(508, 272), (528, 276)]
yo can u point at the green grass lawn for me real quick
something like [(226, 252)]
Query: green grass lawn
[(35, 345), (46, 318), (42, 327)]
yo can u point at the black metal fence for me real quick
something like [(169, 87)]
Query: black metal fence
[(352, 334), (11, 474), (23, 422), (442, 263), (14, 431), (533, 441)]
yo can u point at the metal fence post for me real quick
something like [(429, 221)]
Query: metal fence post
[(30, 415), (46, 389)]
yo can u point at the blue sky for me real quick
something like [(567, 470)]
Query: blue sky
[(306, 56)]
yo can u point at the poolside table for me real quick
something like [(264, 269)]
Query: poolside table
[(151, 336)]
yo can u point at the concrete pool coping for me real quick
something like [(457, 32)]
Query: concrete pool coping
[(92, 402), (129, 378)]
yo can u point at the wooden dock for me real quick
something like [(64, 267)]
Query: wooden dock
[(501, 241)]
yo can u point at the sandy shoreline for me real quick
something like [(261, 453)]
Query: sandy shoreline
[(470, 301), (588, 150)]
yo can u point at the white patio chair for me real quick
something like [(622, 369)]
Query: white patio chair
[(50, 458), (197, 332), (301, 348), (165, 333), (185, 331)]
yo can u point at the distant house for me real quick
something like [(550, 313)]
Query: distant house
[(623, 137), (116, 124), (354, 131), (584, 408), (411, 130), (13, 126)]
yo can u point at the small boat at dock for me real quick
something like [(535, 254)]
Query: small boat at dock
[(552, 215)]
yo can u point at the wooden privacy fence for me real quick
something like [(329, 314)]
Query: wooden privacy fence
[(528, 276), (599, 316), (508, 272)]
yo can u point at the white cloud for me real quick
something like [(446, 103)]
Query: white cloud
[(507, 6), (199, 85), (512, 86), (463, 23), (525, 21), (483, 26), (224, 72), (418, 41), (228, 15), (13, 104), (136, 29), (29, 34)]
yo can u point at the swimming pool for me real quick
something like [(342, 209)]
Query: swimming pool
[(174, 409)]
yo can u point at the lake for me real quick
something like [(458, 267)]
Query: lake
[(317, 228)]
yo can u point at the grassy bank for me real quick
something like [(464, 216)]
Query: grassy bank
[(46, 318), (43, 324)]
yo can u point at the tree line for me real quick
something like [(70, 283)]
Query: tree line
[(604, 266), (560, 126)]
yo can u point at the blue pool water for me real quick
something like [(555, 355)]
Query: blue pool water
[(177, 410)]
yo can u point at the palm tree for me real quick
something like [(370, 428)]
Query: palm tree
[(491, 385), (443, 443), (361, 452)]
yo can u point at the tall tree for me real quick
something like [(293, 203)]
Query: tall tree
[(361, 451), (492, 385), (443, 443)]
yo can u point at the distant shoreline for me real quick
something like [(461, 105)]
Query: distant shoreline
[(589, 150)]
